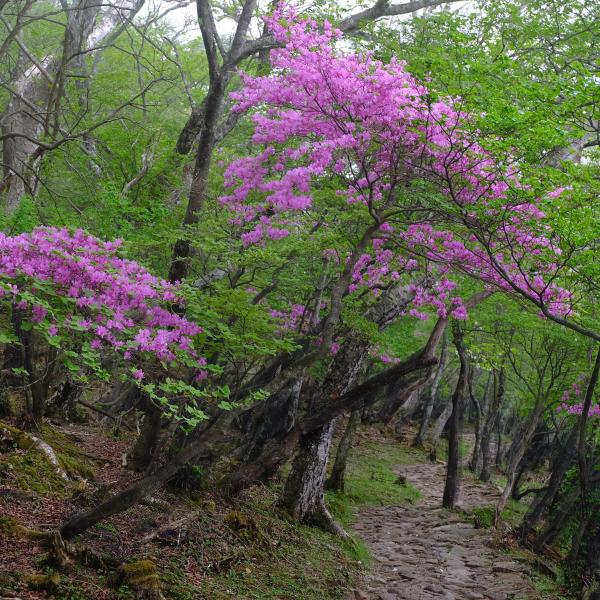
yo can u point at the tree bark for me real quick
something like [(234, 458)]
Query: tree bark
[(440, 423), (522, 442), (458, 401), (303, 494), (337, 480), (148, 440), (432, 396), (480, 407), (488, 428)]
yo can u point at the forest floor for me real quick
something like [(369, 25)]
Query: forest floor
[(204, 547)]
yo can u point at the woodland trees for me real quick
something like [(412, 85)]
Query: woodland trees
[(401, 222)]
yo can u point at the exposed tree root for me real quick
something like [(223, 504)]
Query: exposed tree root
[(61, 553), (26, 441)]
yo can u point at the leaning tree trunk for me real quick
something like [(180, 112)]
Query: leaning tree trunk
[(458, 401), (431, 398), (303, 495), (220, 433), (544, 500), (271, 420), (337, 480), (480, 408), (440, 424), (488, 428), (522, 442)]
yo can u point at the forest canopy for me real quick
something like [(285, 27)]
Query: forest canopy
[(245, 236)]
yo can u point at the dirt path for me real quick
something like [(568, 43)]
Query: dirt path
[(424, 552)]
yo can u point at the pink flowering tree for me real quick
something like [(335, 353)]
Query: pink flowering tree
[(572, 401), (70, 301), (405, 163)]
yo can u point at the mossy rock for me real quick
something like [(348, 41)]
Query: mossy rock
[(142, 576), (9, 525), (31, 471), (13, 403), (13, 437)]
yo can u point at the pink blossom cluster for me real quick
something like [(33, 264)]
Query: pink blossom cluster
[(492, 268), (325, 113), (297, 316), (382, 265), (577, 409), (439, 298), (117, 303)]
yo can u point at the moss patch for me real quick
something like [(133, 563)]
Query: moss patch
[(370, 477)]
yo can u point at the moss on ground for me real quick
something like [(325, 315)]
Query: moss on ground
[(370, 478)]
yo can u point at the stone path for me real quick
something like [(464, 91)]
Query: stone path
[(424, 552)]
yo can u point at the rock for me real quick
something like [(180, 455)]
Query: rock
[(358, 595), (505, 567), (142, 576)]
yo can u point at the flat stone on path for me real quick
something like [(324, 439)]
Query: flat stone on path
[(423, 552)]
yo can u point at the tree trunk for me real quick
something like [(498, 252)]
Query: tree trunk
[(544, 500), (440, 423), (432, 396), (303, 494), (410, 406), (522, 442), (274, 419), (337, 480), (458, 401), (480, 407), (212, 109), (488, 428), (147, 442)]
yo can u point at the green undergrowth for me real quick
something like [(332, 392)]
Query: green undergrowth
[(547, 577), (247, 549), (483, 516), (288, 560), (370, 478)]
